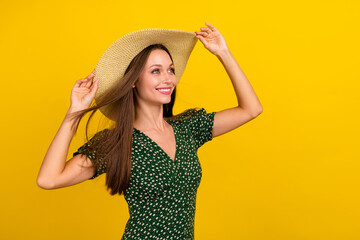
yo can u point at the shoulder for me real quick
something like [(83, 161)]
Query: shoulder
[(194, 118), (198, 123), (188, 115), (98, 136)]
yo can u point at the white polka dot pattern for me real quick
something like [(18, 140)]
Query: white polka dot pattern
[(162, 192), (92, 153)]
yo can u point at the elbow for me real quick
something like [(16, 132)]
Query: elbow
[(256, 112), (44, 184), (253, 112)]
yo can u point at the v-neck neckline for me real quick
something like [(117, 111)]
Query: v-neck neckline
[(157, 145)]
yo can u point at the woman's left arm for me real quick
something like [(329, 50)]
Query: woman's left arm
[(249, 105)]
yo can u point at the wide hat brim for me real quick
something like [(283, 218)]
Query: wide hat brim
[(115, 60)]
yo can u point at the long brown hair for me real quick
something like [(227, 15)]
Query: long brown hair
[(113, 146)]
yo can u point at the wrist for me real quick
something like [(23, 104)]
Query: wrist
[(70, 110), (222, 53), (73, 109), (70, 114)]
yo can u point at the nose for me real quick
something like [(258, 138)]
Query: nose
[(167, 80)]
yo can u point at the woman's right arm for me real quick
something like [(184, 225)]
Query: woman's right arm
[(55, 171)]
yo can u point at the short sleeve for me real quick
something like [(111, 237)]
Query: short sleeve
[(201, 125), (92, 153)]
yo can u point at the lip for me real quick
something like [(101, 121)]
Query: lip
[(165, 93)]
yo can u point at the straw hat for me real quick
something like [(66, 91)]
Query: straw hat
[(115, 60)]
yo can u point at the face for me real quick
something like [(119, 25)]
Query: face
[(157, 80)]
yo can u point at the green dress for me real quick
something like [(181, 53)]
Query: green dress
[(162, 193)]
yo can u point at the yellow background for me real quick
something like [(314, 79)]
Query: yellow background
[(291, 173)]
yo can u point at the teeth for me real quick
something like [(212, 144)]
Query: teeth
[(164, 90)]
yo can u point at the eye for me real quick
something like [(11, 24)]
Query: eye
[(173, 70)]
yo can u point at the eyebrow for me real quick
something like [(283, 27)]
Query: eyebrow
[(159, 65)]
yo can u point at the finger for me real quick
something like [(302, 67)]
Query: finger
[(85, 82), (202, 40), (91, 75), (211, 26), (202, 33), (94, 87), (207, 30), (78, 82), (89, 82)]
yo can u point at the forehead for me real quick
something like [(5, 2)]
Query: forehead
[(159, 56)]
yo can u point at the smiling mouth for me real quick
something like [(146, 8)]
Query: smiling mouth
[(164, 90)]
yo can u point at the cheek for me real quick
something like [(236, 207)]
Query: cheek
[(145, 89), (147, 81)]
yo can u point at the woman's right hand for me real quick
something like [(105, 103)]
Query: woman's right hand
[(83, 93)]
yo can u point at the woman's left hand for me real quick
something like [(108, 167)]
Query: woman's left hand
[(212, 39)]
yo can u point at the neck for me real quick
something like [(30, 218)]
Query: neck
[(149, 117)]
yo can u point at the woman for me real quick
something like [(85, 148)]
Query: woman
[(148, 155)]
